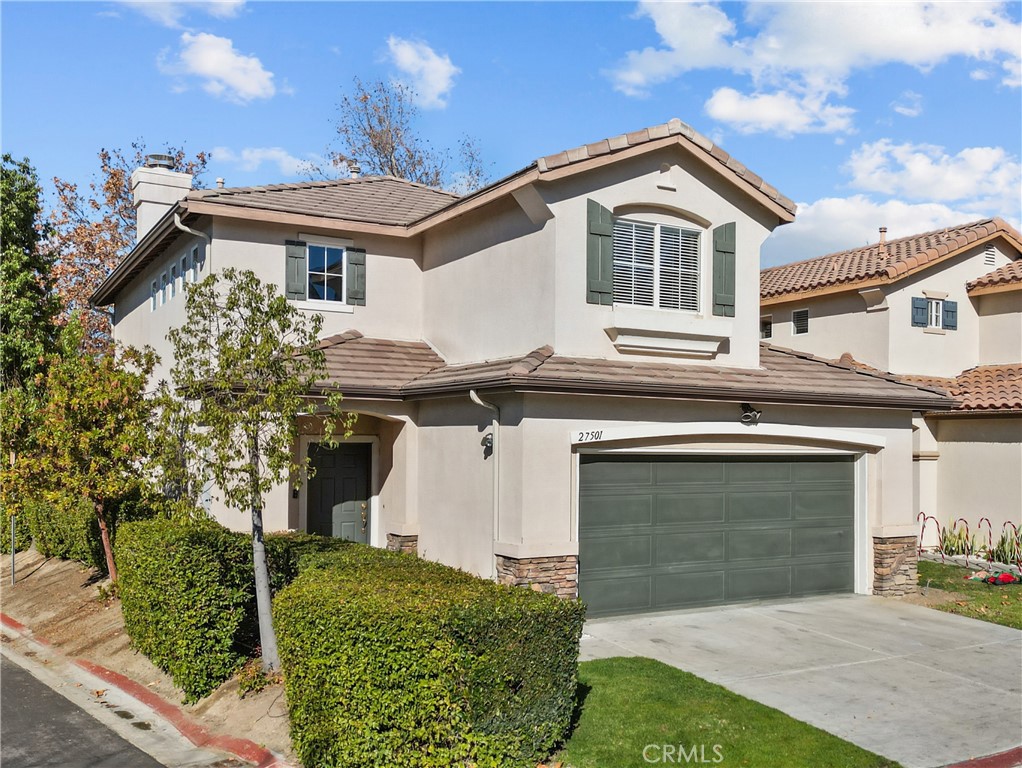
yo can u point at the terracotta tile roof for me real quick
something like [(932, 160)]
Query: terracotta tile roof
[(374, 199), (1009, 274), (983, 388), (673, 128), (380, 367), (874, 263)]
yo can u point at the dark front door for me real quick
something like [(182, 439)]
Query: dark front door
[(339, 491)]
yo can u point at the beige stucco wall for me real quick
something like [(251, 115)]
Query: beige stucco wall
[(989, 327), (979, 470), (1000, 327)]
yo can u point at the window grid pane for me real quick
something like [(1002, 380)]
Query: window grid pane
[(326, 273), (634, 263), (936, 312), (656, 266), (679, 269)]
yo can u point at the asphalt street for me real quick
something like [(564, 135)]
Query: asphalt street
[(39, 728)]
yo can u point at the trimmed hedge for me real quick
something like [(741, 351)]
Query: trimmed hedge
[(390, 660), (187, 594)]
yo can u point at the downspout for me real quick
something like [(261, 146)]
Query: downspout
[(197, 233), (494, 454)]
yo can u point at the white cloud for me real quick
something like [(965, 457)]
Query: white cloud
[(223, 70), (430, 74), (810, 49), (171, 14), (981, 179), (838, 223), (780, 112), (909, 104), (252, 159), (980, 74)]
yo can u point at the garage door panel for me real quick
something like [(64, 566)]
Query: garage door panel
[(708, 530), (759, 506), (616, 473), (620, 595), (823, 541), (758, 472), (613, 552), (676, 590), (758, 544), (672, 509), (758, 583), (823, 578), (618, 511), (833, 503), (683, 548), (688, 472)]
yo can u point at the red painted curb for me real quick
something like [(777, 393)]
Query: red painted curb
[(195, 733), (1009, 759)]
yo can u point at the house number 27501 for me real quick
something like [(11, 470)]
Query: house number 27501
[(588, 437)]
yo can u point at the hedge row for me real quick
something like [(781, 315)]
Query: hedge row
[(393, 661), (187, 595)]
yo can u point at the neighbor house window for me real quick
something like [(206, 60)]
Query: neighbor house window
[(655, 265), (800, 321), (154, 291), (766, 327), (163, 289), (173, 281), (186, 277), (198, 263), (326, 273), (934, 313)]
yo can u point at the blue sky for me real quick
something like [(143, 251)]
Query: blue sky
[(904, 115)]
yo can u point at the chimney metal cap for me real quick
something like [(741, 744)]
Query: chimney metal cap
[(160, 161)]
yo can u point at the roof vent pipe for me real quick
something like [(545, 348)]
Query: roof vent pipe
[(883, 240), (354, 169), (160, 161), (219, 182)]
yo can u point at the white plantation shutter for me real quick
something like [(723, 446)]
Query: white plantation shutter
[(634, 263), (679, 269), (656, 266)]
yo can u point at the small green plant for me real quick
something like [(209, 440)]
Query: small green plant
[(106, 592), (1008, 548), (956, 539), (252, 678)]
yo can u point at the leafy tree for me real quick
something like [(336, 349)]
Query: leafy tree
[(377, 130), (246, 360), (27, 304), (94, 229), (89, 428)]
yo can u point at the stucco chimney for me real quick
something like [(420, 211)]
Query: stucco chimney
[(883, 240), (155, 187)]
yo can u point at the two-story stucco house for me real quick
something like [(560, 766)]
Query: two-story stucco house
[(559, 378), (941, 308)]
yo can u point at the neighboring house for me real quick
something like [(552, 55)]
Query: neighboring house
[(559, 377), (943, 309)]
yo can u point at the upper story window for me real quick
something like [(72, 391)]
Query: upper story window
[(656, 265), (154, 293), (766, 327), (326, 273), (173, 281), (934, 312), (800, 322)]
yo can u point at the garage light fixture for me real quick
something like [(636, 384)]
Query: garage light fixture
[(750, 415)]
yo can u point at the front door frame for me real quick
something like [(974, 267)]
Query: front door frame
[(375, 529)]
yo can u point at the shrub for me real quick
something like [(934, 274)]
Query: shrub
[(187, 594), (66, 528), (22, 533), (393, 661)]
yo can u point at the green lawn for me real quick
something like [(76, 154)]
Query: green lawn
[(629, 703), (1000, 605)]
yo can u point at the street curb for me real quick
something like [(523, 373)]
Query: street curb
[(198, 735), (1009, 759)]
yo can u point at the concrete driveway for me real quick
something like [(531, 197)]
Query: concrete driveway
[(913, 684)]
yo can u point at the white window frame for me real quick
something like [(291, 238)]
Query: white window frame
[(186, 268), (934, 313), (173, 280), (769, 320), (794, 325), (657, 265), (163, 289), (343, 301), (197, 264), (154, 290)]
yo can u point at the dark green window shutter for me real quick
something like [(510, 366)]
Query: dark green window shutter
[(297, 274), (724, 270), (599, 254), (357, 276), (918, 312), (950, 319)]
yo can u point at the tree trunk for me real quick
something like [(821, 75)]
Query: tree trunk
[(108, 550), (267, 637)]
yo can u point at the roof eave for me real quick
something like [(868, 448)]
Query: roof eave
[(984, 290), (253, 213)]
